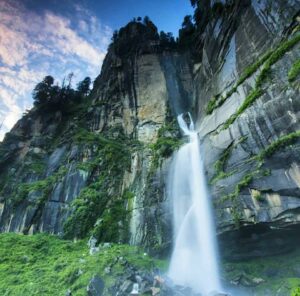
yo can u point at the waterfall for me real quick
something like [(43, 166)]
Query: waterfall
[(194, 258)]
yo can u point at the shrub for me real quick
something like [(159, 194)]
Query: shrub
[(294, 71)]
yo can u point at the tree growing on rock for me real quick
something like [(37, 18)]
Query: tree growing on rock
[(43, 91), (83, 87)]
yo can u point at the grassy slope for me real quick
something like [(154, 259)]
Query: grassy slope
[(46, 265), (282, 268)]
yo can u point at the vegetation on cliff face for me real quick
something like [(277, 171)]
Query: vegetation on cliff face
[(47, 265), (167, 142), (266, 276), (42, 186), (48, 96), (261, 78), (266, 62), (98, 207), (257, 171), (294, 71)]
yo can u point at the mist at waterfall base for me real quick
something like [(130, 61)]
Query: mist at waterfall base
[(194, 259)]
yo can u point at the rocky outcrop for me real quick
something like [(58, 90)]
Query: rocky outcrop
[(101, 168), (91, 168), (248, 120)]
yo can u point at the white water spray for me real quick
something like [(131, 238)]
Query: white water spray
[(194, 259)]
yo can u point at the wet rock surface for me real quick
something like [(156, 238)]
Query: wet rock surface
[(149, 283)]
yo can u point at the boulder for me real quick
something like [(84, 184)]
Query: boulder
[(95, 286)]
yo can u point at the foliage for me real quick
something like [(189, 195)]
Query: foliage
[(44, 186), (166, 143), (167, 40), (258, 91), (279, 143), (83, 87), (276, 55), (186, 33), (256, 194), (212, 104), (257, 171), (44, 90), (49, 97), (294, 71), (217, 8), (95, 203), (284, 283), (267, 60), (295, 292), (113, 226), (220, 165), (254, 94), (47, 265)]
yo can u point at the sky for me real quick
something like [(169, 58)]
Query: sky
[(56, 37)]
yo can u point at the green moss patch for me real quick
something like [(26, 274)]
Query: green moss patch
[(165, 144), (276, 272), (257, 170), (218, 100), (275, 55), (100, 208), (46, 265), (44, 186), (294, 71)]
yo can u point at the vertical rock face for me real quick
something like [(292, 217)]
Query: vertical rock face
[(248, 119), (101, 168), (96, 167)]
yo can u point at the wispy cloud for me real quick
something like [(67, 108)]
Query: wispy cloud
[(33, 45)]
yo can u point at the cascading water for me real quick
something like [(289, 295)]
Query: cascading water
[(194, 259)]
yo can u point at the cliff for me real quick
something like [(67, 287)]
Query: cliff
[(100, 168)]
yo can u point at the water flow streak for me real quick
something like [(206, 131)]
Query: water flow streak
[(194, 259)]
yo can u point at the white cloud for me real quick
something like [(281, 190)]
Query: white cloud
[(33, 45)]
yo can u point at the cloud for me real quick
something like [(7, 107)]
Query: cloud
[(34, 44)]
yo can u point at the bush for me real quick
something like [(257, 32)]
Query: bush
[(294, 71)]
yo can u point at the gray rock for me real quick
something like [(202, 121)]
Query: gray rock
[(95, 286)]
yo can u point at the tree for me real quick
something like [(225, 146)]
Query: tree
[(167, 39), (115, 36), (187, 23), (147, 22), (83, 87), (186, 32), (43, 91), (193, 2)]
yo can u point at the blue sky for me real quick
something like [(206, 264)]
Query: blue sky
[(56, 37)]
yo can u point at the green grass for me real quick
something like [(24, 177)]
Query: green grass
[(285, 265), (295, 291), (276, 55), (281, 142), (46, 265), (99, 208), (256, 93), (219, 166), (44, 186), (294, 71)]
